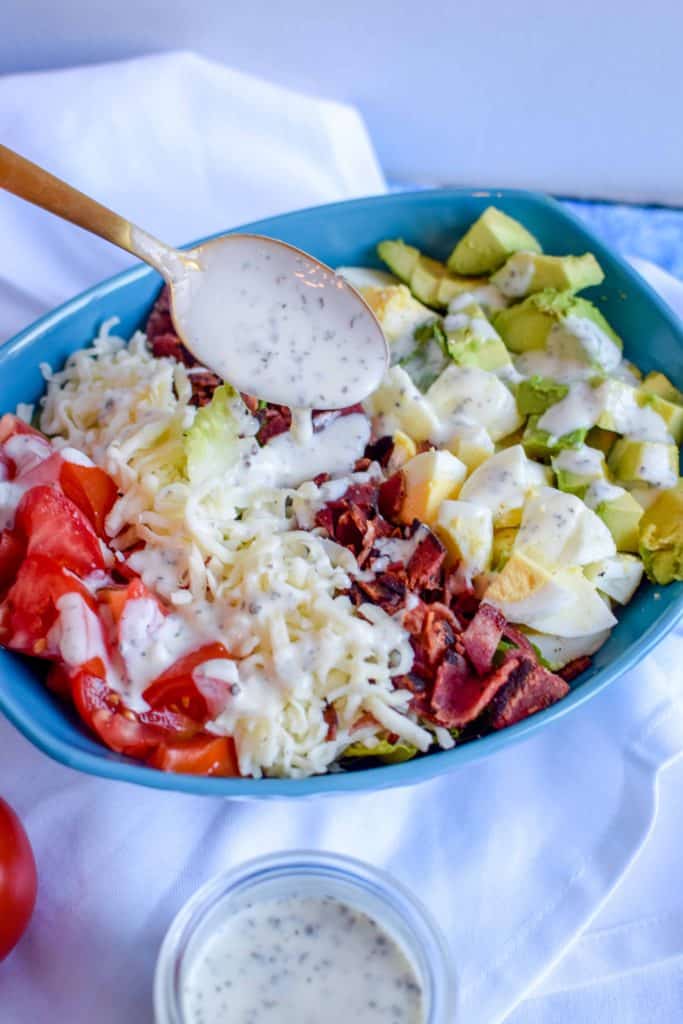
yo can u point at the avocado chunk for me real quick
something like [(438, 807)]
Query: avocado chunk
[(671, 413), (489, 241), (567, 326), (644, 462), (661, 537), (528, 272), (537, 394), (657, 384), (471, 340), (539, 444), (601, 439), (621, 515), (428, 279), (577, 468), (427, 358)]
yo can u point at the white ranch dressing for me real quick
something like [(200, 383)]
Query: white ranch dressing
[(580, 408), (516, 277), (277, 324), (303, 959), (580, 338), (584, 461), (600, 491)]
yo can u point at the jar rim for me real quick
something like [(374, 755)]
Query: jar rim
[(424, 932)]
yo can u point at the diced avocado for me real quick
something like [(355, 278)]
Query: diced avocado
[(671, 413), (471, 340), (428, 279), (539, 444), (450, 287), (528, 272), (399, 257), (489, 241), (537, 394), (503, 543), (428, 357), (644, 462), (621, 516), (601, 439), (576, 469), (657, 384), (568, 326), (661, 537)]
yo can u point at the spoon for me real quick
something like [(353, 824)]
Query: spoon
[(265, 316)]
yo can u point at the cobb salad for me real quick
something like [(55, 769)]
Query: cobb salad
[(224, 587)]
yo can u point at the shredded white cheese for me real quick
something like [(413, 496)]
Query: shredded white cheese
[(235, 566)]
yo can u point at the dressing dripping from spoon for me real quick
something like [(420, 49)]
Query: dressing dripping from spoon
[(265, 316)]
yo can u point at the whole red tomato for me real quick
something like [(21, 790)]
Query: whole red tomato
[(18, 880)]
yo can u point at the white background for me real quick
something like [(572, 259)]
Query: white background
[(579, 98)]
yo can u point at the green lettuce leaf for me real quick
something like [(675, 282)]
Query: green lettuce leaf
[(211, 443), (388, 753)]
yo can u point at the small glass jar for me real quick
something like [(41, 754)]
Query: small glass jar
[(307, 874)]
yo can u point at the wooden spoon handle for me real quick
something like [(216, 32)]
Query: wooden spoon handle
[(36, 185)]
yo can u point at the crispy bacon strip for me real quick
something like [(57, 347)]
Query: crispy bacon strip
[(525, 694), (482, 636), (459, 698), (574, 668), (425, 566)]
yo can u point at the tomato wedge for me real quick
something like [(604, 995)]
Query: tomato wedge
[(91, 489), (55, 528), (11, 425), (30, 605), (203, 755), (119, 728), (176, 689), (12, 550), (116, 598)]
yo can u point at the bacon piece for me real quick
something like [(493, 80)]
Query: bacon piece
[(520, 639), (391, 496), (425, 564), (361, 465), (159, 320), (574, 668), (413, 620), (438, 636), (330, 716), (275, 420), (459, 696), (482, 636), (420, 687), (251, 402), (525, 694), (380, 450), (387, 590), (203, 386)]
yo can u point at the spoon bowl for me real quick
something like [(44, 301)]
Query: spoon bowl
[(265, 316)]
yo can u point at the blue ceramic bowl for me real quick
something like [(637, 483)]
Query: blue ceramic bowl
[(347, 233)]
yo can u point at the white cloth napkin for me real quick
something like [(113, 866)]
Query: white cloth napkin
[(514, 855)]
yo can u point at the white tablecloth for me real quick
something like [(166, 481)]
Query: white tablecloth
[(516, 855)]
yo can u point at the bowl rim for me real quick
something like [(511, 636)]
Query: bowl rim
[(115, 767)]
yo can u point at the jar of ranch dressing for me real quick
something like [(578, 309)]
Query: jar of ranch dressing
[(302, 938)]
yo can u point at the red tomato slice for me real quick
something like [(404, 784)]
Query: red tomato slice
[(116, 598), (11, 424), (91, 489), (12, 550), (55, 528), (203, 755), (7, 467), (18, 880), (29, 609), (119, 728), (176, 689)]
